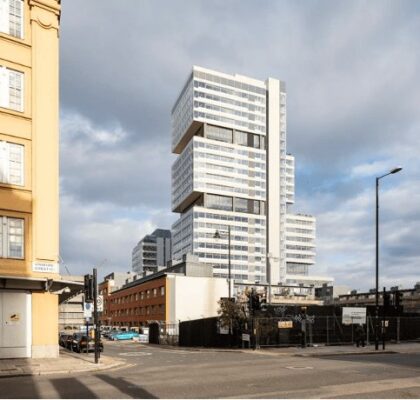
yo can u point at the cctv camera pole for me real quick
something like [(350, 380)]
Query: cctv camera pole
[(95, 315)]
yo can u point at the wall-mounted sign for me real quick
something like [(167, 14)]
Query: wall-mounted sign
[(354, 315), (13, 319), (285, 324), (51, 268), (246, 337)]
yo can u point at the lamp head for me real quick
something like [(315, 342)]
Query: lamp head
[(395, 170), (216, 235)]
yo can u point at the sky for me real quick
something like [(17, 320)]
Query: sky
[(353, 91)]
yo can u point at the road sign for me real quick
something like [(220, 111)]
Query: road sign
[(87, 310), (285, 324), (100, 303), (246, 337)]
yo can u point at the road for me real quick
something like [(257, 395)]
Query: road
[(155, 372)]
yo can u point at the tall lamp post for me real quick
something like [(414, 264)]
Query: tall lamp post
[(270, 258), (217, 235), (393, 171)]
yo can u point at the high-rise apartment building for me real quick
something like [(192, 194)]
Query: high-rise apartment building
[(232, 174), (29, 203), (152, 251)]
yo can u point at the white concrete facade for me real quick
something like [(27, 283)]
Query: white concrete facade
[(232, 171), (193, 297)]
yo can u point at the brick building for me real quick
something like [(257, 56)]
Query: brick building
[(181, 292)]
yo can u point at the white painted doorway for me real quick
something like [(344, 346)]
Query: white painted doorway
[(15, 324)]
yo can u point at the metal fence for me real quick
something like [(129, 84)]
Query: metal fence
[(330, 330), (169, 334)]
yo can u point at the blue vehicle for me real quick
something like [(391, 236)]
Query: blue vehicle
[(123, 335)]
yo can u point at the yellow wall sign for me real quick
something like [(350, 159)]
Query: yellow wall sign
[(285, 324), (14, 318)]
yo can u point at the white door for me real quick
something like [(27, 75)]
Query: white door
[(15, 324)]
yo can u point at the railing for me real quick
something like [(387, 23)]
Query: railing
[(308, 330)]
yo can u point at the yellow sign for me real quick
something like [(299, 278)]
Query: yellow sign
[(14, 317), (285, 324)]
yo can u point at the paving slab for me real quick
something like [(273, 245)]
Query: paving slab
[(67, 363)]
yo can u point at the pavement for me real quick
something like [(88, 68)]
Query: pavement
[(69, 362), (322, 350)]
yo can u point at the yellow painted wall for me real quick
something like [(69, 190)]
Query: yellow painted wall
[(37, 128), (44, 319), (45, 114)]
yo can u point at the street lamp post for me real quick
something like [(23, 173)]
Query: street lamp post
[(218, 236), (393, 171), (269, 258)]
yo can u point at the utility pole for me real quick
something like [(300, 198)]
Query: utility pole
[(95, 315)]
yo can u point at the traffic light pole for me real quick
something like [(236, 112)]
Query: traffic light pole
[(95, 315)]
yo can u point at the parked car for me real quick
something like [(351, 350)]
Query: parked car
[(81, 343), (124, 335), (63, 339)]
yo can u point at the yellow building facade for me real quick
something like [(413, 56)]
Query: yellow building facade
[(29, 178)]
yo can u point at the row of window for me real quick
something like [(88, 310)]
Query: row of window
[(140, 295), (226, 110), (229, 82), (11, 237), (11, 89), (156, 309), (236, 257), (220, 89), (11, 17), (249, 153), (237, 137), (235, 218), (217, 118), (227, 203)]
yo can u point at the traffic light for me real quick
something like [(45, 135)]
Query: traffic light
[(88, 288), (256, 302), (398, 299), (387, 300)]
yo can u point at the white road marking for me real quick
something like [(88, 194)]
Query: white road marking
[(135, 354)]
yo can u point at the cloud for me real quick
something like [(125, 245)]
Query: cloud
[(353, 94)]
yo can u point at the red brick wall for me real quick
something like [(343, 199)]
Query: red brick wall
[(126, 307)]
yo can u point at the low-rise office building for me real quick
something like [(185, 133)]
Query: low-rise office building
[(184, 291), (410, 298)]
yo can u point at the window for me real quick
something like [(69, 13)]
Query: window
[(11, 237), (241, 138), (241, 205), (11, 163), (219, 202), (162, 291), (218, 133), (154, 292), (11, 17), (11, 89)]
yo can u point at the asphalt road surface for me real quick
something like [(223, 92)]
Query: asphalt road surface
[(156, 372)]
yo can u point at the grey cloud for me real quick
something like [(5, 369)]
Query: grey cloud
[(353, 95)]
